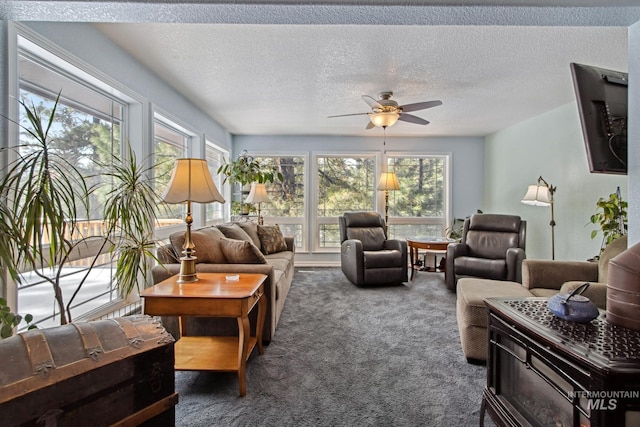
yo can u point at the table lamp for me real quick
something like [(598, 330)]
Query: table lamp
[(190, 182), (258, 194)]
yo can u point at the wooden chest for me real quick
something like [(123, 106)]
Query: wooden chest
[(107, 372)]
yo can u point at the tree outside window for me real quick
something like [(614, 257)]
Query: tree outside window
[(286, 207), (169, 145), (419, 207), (86, 134), (345, 183)]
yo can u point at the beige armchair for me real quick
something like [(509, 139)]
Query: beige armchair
[(541, 278), (545, 278)]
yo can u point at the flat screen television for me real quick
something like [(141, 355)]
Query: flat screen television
[(602, 106)]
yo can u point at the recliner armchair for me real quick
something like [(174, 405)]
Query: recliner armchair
[(367, 256), (492, 247)]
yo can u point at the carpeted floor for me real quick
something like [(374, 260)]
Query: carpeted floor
[(348, 356)]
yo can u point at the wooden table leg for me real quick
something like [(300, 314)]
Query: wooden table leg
[(244, 332), (262, 314), (412, 256)]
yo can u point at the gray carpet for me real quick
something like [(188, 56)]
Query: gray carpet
[(348, 356)]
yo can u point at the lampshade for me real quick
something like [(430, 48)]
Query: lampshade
[(388, 181), (258, 194), (191, 181), (384, 119), (537, 195)]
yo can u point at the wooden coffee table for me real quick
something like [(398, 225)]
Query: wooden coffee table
[(213, 295), (435, 245)]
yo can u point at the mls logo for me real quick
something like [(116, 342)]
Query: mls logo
[(602, 404)]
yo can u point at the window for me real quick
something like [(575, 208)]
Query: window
[(169, 144), (214, 156), (420, 206), (286, 207), (344, 183), (88, 128)]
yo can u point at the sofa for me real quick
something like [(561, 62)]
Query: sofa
[(237, 247), (540, 278)]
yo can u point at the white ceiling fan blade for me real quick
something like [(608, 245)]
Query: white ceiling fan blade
[(413, 119), (345, 115), (371, 102), (370, 125), (420, 105)]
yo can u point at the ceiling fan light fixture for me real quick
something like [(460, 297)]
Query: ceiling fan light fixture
[(384, 119)]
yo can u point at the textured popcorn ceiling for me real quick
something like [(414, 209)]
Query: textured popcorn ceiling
[(290, 64), (284, 79)]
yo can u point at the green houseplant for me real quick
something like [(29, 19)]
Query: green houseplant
[(246, 170), (43, 200), (611, 217), (9, 321)]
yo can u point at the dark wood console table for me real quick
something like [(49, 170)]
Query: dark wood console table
[(545, 371)]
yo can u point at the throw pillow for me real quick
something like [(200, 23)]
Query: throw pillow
[(251, 228), (241, 252), (233, 231), (207, 242), (271, 239)]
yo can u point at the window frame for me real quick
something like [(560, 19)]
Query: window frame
[(447, 177), (31, 45), (210, 144), (317, 221), (291, 220), (190, 143)]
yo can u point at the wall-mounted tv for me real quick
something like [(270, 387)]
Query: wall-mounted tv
[(602, 106)]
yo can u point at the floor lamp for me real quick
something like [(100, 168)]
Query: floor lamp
[(387, 182), (541, 194), (258, 194), (190, 182)]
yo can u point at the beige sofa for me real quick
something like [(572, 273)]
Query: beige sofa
[(540, 278), (240, 247)]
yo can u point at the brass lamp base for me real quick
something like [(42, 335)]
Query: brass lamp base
[(187, 270)]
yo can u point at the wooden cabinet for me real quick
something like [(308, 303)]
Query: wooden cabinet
[(545, 371)]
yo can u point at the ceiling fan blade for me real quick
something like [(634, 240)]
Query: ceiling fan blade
[(413, 119), (420, 105), (345, 115), (370, 125), (371, 102)]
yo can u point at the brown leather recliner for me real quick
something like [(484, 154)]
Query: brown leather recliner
[(492, 247), (367, 256)]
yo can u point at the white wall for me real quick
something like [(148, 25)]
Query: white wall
[(551, 146)]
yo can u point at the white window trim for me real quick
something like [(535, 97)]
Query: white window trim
[(447, 156), (316, 221), (23, 39), (306, 199), (224, 189)]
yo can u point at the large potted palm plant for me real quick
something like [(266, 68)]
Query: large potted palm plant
[(44, 199)]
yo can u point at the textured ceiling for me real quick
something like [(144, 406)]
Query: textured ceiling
[(291, 63), (286, 79)]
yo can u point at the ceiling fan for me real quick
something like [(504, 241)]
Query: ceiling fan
[(386, 112)]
